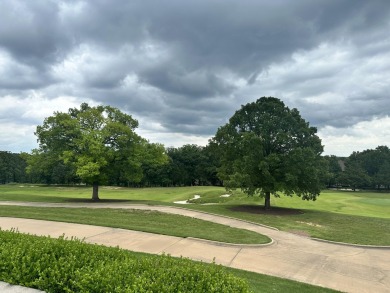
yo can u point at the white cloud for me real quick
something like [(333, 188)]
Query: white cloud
[(17, 137), (361, 136), (173, 139), (35, 107), (20, 116)]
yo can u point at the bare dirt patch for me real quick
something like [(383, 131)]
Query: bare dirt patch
[(310, 224), (255, 209), (299, 232)]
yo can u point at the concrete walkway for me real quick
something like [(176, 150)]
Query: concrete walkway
[(341, 267)]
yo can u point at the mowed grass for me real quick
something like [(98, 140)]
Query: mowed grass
[(342, 216), (324, 211), (352, 217), (44, 193), (361, 203), (121, 218), (139, 220), (324, 225)]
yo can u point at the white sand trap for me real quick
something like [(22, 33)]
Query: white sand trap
[(196, 196), (225, 195)]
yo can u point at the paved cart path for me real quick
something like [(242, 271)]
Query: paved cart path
[(342, 267)]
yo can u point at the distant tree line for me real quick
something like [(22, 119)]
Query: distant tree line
[(265, 148), (369, 169), (189, 165), (192, 165), (12, 168)]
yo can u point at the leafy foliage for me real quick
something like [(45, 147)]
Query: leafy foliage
[(267, 148), (12, 168), (59, 265), (332, 171), (369, 168), (47, 168), (98, 143), (189, 165)]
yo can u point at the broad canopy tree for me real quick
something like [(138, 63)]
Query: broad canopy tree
[(97, 142), (267, 148)]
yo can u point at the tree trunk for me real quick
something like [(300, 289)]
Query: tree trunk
[(267, 201), (95, 191)]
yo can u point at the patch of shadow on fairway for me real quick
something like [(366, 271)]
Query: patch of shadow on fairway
[(256, 209), (88, 200)]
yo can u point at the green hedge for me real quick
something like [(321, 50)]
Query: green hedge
[(60, 265)]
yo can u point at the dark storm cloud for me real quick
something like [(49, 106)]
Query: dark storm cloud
[(190, 121), (188, 65), (193, 84), (32, 31), (244, 36)]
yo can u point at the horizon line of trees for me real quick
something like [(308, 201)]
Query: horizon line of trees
[(193, 165), (189, 165), (368, 169), (266, 148)]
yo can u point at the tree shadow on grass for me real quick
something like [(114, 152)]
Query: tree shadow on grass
[(257, 209), (89, 200)]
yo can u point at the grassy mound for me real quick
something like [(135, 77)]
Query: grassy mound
[(59, 265)]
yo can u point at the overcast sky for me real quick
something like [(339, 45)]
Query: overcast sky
[(182, 68)]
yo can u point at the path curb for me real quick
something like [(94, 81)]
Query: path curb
[(351, 244), (9, 288)]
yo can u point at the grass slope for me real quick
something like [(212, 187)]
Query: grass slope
[(146, 221), (44, 193), (353, 217)]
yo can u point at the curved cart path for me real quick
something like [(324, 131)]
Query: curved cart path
[(342, 267)]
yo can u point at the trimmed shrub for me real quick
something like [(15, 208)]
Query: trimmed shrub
[(61, 265)]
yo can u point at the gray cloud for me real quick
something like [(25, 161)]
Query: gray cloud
[(32, 31), (194, 84), (186, 66)]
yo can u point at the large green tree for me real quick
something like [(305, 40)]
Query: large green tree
[(267, 148), (98, 143)]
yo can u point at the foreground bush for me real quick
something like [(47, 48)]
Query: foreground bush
[(60, 265)]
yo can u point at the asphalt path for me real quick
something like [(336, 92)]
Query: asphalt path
[(347, 268)]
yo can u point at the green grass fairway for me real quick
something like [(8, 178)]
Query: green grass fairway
[(343, 216), (361, 217), (352, 217), (361, 203), (139, 220), (324, 225), (44, 193)]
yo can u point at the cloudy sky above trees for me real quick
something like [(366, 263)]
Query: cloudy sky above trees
[(183, 67)]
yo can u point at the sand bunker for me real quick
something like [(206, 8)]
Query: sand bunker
[(196, 196)]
